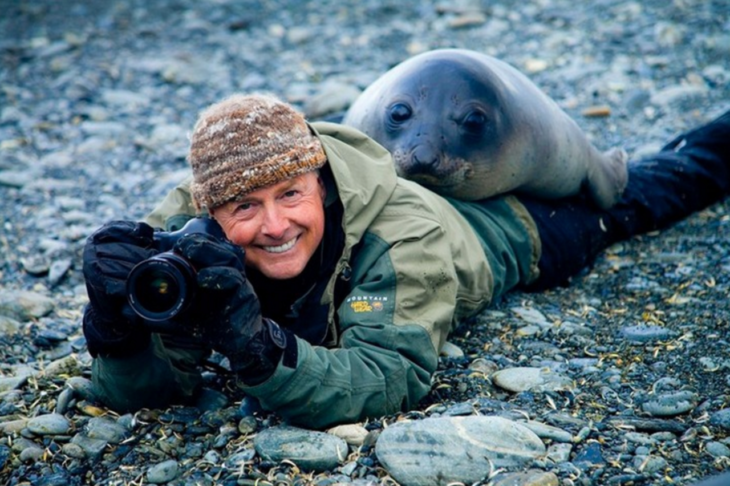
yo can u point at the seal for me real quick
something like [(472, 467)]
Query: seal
[(469, 126)]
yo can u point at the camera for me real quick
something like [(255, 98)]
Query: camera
[(162, 286)]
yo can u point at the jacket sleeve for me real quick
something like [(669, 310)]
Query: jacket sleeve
[(400, 305), (166, 372)]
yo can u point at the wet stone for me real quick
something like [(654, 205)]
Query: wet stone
[(93, 448), (559, 452), (650, 464), (106, 429), (530, 315), (310, 450), (463, 408), (463, 449), (9, 326), (533, 379), (31, 454), (717, 449), (545, 431), (12, 383), (58, 270), (721, 418), (353, 434), (73, 450), (532, 477), (645, 334), (4, 455), (23, 305), (649, 424), (590, 455), (240, 459), (670, 404), (51, 424), (163, 472), (247, 425)]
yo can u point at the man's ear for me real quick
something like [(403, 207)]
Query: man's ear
[(322, 188)]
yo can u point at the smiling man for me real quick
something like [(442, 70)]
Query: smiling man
[(353, 277)]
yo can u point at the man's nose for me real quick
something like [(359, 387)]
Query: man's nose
[(275, 222)]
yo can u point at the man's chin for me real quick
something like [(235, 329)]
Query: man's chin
[(281, 271)]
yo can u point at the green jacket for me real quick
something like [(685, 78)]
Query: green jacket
[(414, 265)]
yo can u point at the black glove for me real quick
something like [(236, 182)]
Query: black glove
[(110, 325), (227, 313)]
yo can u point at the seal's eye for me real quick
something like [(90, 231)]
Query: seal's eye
[(400, 112), (474, 122)]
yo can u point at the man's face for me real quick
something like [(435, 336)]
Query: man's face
[(279, 226)]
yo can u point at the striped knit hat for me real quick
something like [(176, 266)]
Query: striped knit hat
[(247, 142)]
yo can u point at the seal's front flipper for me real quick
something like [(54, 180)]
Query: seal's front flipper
[(607, 181)]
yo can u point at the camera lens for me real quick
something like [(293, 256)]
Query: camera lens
[(161, 287)]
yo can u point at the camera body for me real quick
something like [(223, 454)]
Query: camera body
[(162, 286)]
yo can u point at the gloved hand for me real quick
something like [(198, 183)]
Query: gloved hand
[(110, 253), (226, 312)]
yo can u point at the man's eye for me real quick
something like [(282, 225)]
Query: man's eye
[(290, 194), (243, 207)]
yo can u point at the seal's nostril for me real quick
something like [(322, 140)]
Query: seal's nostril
[(425, 157)]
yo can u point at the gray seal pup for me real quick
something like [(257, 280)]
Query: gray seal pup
[(469, 126)]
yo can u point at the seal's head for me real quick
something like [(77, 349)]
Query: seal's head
[(441, 116)]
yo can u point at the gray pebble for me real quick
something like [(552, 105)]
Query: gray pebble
[(31, 454), (58, 270), (721, 418), (163, 472), (469, 447), (64, 400), (93, 448), (247, 425), (50, 424), (545, 431), (670, 404), (559, 452), (106, 429), (530, 378), (240, 459), (23, 305), (650, 464), (12, 383), (73, 450), (308, 449), (645, 334), (717, 449)]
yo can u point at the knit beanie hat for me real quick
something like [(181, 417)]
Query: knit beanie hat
[(247, 142)]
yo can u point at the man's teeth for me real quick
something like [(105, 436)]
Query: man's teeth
[(282, 248)]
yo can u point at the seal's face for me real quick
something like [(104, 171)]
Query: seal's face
[(441, 121)]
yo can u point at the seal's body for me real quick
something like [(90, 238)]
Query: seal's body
[(469, 126)]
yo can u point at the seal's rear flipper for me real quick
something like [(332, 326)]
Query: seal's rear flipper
[(607, 181), (687, 175)]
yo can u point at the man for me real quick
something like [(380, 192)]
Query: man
[(353, 277)]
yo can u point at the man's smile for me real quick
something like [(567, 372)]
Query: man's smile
[(281, 248)]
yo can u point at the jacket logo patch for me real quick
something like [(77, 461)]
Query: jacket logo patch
[(361, 304)]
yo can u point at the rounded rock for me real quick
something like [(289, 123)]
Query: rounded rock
[(310, 450), (454, 449), (51, 424), (163, 472), (670, 404), (721, 418), (717, 449), (532, 477), (645, 334), (534, 379)]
